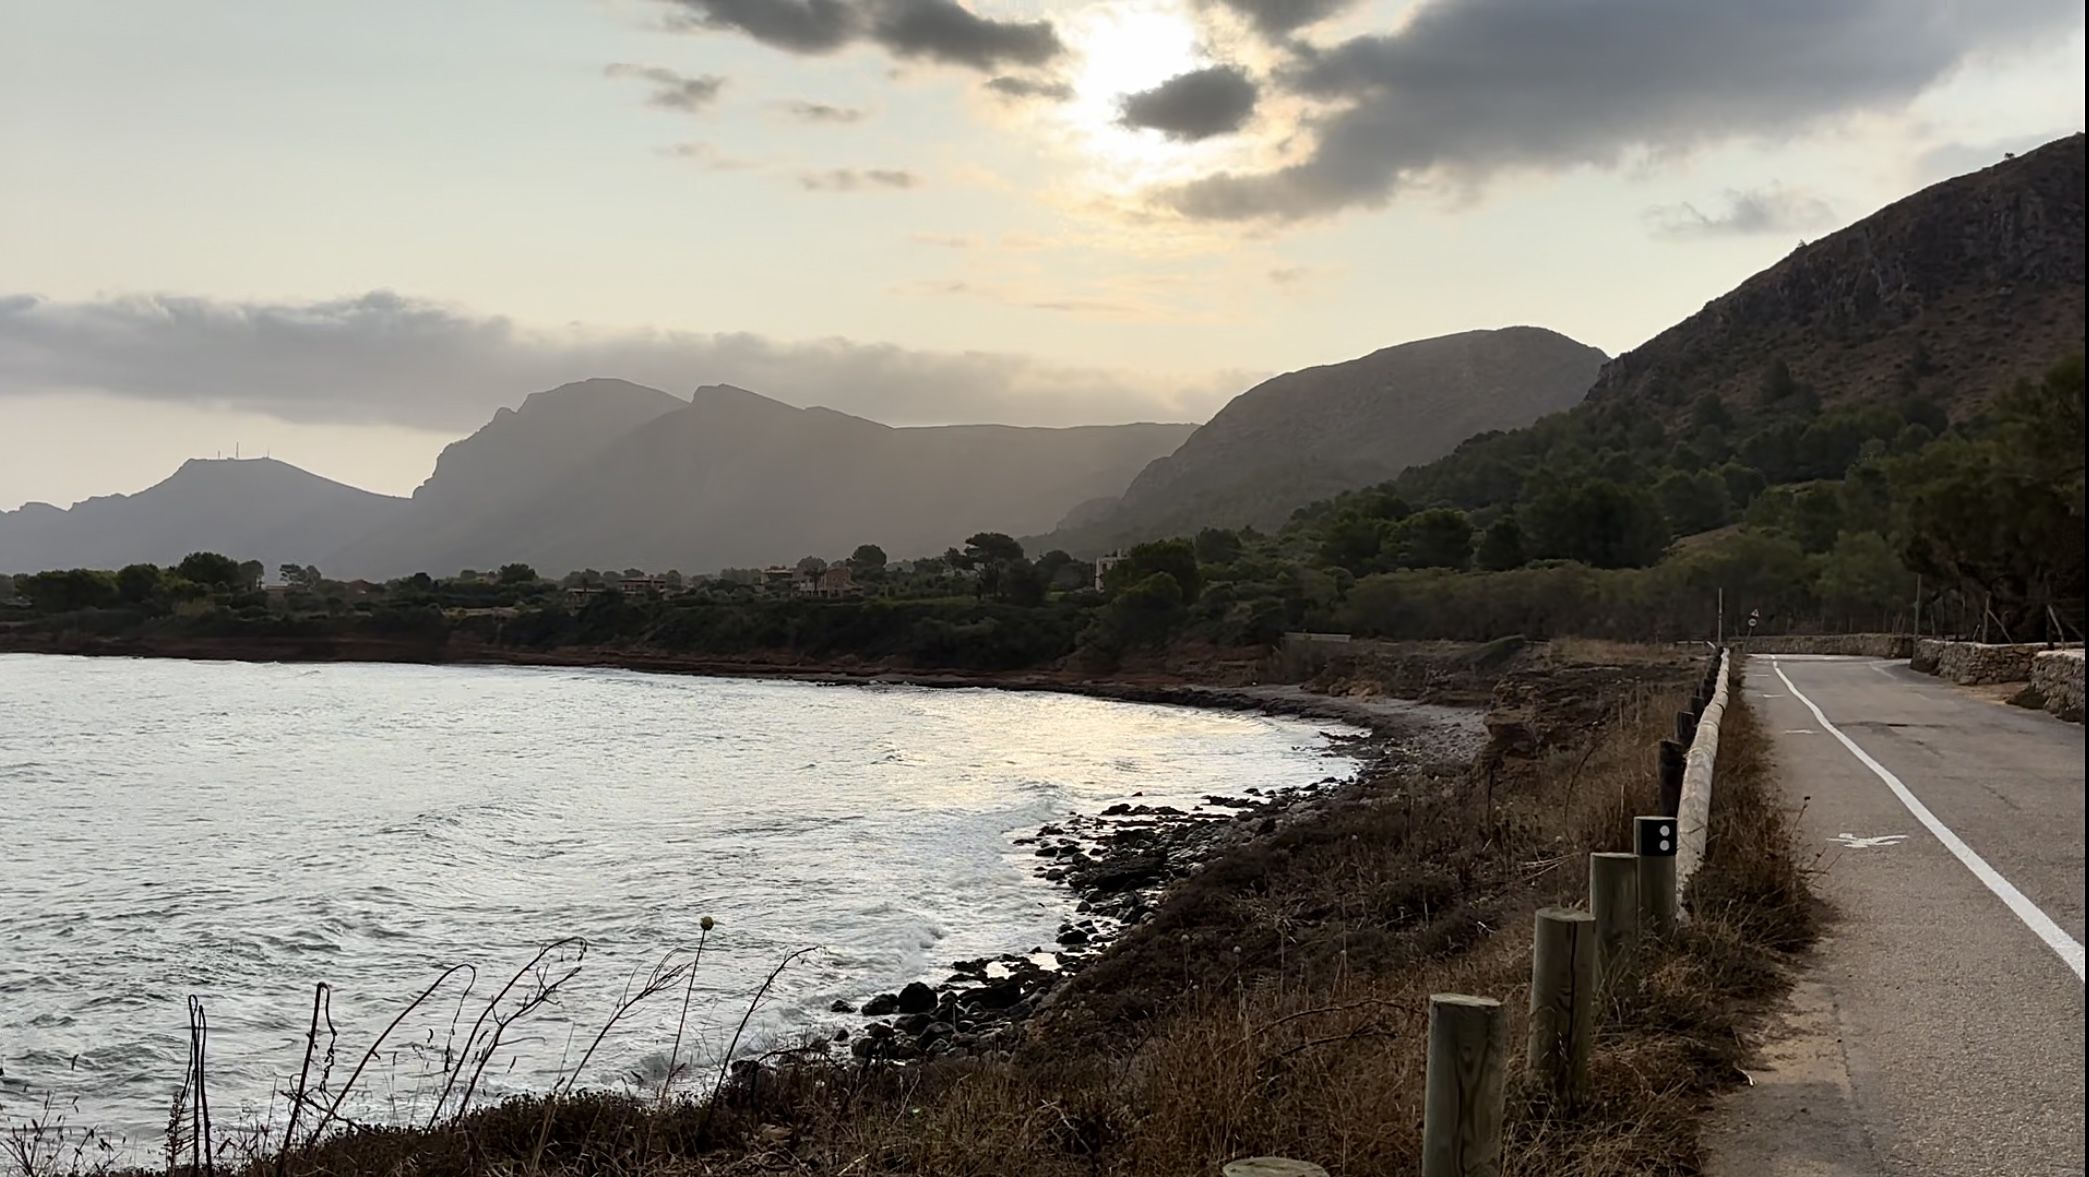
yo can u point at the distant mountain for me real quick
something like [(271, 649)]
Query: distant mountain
[(1954, 293), (733, 478), (1318, 431), (249, 509), (513, 459)]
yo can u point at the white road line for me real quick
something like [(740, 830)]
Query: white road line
[(2062, 944)]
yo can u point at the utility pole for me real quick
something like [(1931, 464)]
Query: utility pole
[(1918, 604), (1721, 630)]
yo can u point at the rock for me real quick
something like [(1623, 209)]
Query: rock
[(881, 1005), (1000, 996), (917, 998), (913, 1024), (879, 1030), (935, 1030), (863, 1047), (841, 1007), (842, 1035), (1073, 936)]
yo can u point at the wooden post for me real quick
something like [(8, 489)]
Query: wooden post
[(1272, 1167), (1669, 765), (1686, 728), (1563, 1003), (1461, 1112), (1654, 840), (1614, 901)]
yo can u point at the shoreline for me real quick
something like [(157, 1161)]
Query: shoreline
[(1116, 866)]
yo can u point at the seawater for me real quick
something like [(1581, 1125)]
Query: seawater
[(240, 833)]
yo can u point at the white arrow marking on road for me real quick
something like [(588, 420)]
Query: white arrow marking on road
[(1856, 843), (2066, 947), (1798, 731)]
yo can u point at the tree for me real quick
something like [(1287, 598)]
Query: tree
[(1354, 541), (1692, 502), (1597, 522), (1019, 583), (69, 590), (138, 583), (1217, 545), (210, 570), (1710, 412), (988, 547), (1145, 613), (1174, 558), (1743, 483), (250, 574), (1440, 537), (811, 566), (1501, 548), (516, 574), (1861, 581), (868, 561)]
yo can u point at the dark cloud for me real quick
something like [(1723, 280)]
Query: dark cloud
[(928, 30), (1277, 18), (1217, 100), (853, 180), (1469, 87), (799, 26), (821, 112), (384, 358), (943, 31), (671, 91), (1013, 87), (1745, 212)]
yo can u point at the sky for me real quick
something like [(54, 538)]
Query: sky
[(344, 234)]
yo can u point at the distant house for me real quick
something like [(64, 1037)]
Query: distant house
[(640, 586), (1103, 564), (581, 594), (837, 581), (778, 579)]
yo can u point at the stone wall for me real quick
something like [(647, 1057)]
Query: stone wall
[(1863, 645), (2057, 676), (1974, 664)]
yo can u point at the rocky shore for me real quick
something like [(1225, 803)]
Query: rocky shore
[(1120, 863)]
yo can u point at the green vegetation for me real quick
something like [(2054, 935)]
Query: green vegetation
[(1602, 522)]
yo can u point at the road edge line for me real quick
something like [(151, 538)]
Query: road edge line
[(2056, 938)]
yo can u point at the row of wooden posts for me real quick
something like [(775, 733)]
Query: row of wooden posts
[(1631, 897)]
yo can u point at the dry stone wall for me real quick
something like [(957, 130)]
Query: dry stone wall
[(1863, 645), (1975, 664), (2057, 676)]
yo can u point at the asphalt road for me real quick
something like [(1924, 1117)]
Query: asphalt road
[(1939, 1031)]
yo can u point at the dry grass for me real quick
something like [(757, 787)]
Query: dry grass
[(1275, 1004)]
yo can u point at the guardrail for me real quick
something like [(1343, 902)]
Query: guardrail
[(1630, 897)]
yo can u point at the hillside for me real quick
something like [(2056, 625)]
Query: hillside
[(733, 478), (514, 458), (1308, 434), (258, 508), (1955, 293)]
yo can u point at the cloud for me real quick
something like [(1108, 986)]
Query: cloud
[(385, 358), (1277, 18), (852, 180), (1289, 275), (1013, 87), (706, 156), (1746, 212), (929, 30), (1217, 100), (671, 91), (821, 112), (1468, 88)]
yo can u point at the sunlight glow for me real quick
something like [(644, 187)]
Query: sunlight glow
[(1125, 48)]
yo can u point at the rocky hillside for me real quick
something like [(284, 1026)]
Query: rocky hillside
[(1308, 434), (732, 478), (513, 459), (253, 509), (1954, 292)]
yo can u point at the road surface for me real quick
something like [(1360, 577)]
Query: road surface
[(1939, 1029)]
